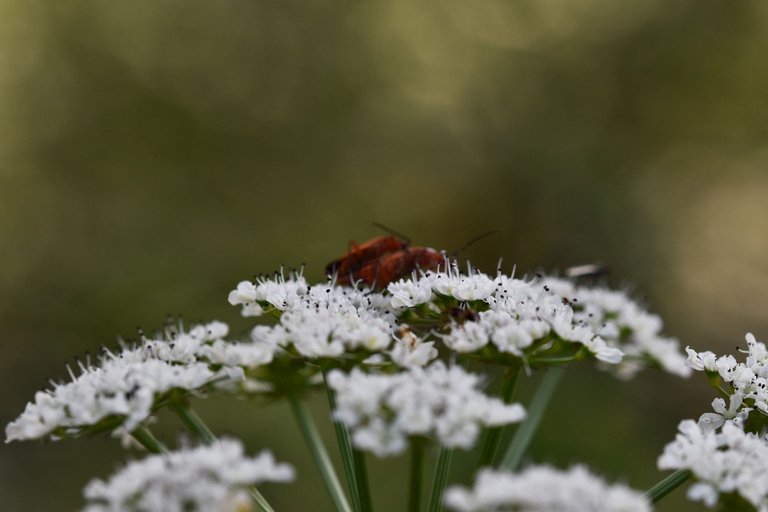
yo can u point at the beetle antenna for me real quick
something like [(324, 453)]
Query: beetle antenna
[(393, 232), (471, 242)]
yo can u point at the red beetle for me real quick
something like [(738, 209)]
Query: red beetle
[(378, 273), (385, 259), (382, 260), (361, 254)]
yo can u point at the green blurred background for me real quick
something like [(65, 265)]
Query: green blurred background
[(152, 154)]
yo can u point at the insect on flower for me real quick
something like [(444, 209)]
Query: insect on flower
[(388, 268), (360, 254), (382, 260), (385, 259)]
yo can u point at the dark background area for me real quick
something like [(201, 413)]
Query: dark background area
[(153, 154)]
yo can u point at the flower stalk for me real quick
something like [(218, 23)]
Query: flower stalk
[(417, 475), (319, 454), (525, 432), (146, 439), (441, 479), (192, 421), (493, 435), (666, 486), (354, 463), (361, 478)]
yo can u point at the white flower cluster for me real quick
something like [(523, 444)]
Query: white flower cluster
[(520, 313), (451, 282), (329, 321), (608, 323), (545, 489), (204, 343), (125, 384), (624, 324), (279, 293), (213, 477), (293, 293), (120, 388), (331, 330), (748, 380), (382, 411), (725, 461)]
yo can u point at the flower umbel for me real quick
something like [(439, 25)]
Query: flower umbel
[(747, 381), (123, 386), (722, 462), (121, 389), (382, 411), (398, 365), (213, 477), (545, 489)]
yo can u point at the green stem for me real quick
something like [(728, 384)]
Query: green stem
[(260, 500), (440, 480), (417, 471), (542, 361), (723, 392), (148, 441), (347, 457), (494, 435), (361, 476), (320, 454), (197, 426), (527, 429), (667, 485), (192, 421)]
